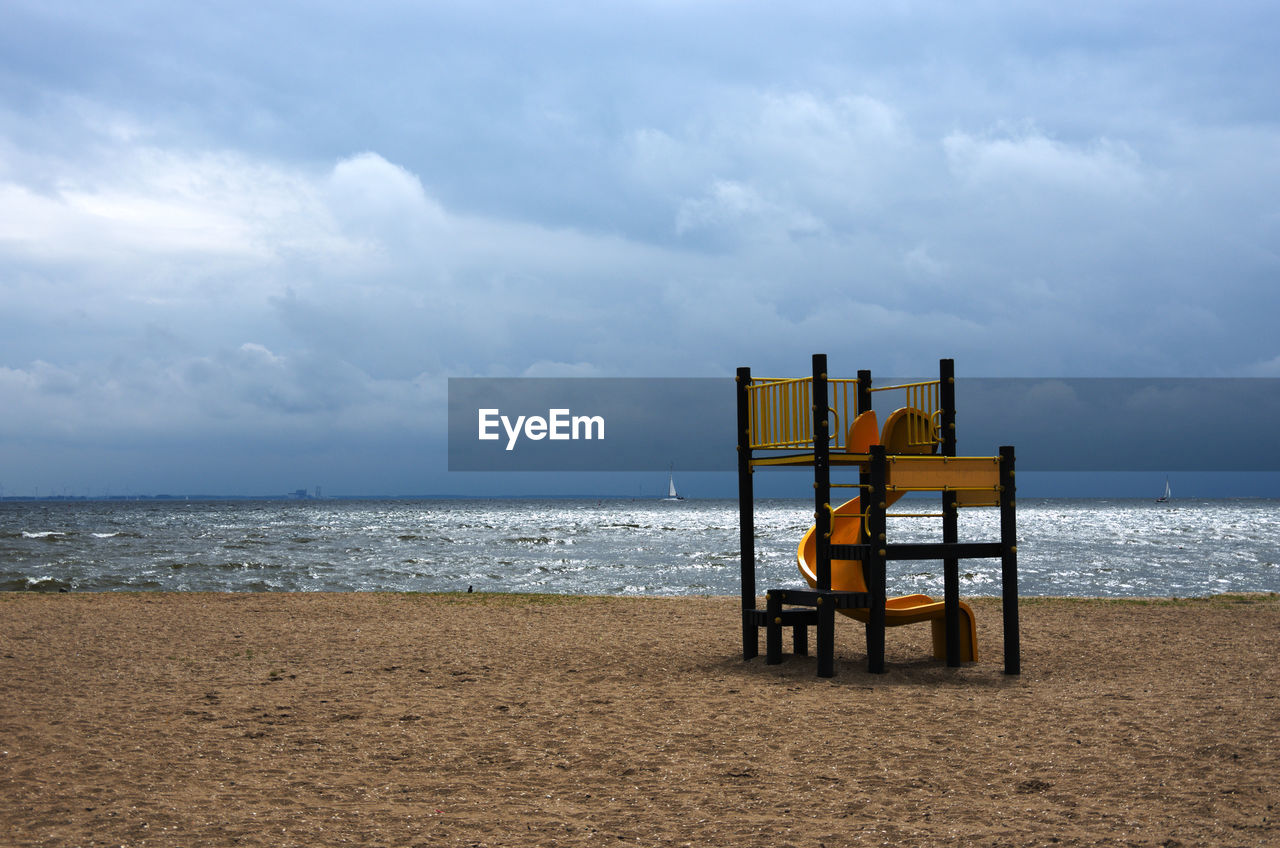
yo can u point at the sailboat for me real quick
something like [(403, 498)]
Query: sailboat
[(1167, 492), (672, 494)]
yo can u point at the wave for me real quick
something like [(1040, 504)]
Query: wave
[(22, 583)]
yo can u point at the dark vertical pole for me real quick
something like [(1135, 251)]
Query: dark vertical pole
[(950, 514), (800, 639), (821, 471), (947, 400), (865, 496), (746, 519), (864, 391), (951, 578), (826, 636), (1009, 562), (772, 629), (874, 566)]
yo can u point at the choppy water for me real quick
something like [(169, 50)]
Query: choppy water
[(1066, 547)]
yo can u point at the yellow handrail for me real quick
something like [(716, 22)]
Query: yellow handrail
[(781, 412)]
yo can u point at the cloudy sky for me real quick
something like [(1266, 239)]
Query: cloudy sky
[(243, 246)]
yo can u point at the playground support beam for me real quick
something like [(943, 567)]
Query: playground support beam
[(951, 579), (826, 636), (746, 519), (875, 566), (950, 514), (864, 391), (947, 400), (1009, 562)]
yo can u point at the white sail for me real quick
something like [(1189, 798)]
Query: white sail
[(1167, 492), (672, 494)]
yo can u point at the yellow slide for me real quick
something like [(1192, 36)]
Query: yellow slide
[(846, 575)]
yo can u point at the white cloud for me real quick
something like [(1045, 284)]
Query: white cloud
[(785, 164), (137, 205), (848, 138), (1034, 162), (738, 212), (378, 200)]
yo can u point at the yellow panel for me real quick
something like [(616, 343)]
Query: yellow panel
[(939, 472), (971, 498)]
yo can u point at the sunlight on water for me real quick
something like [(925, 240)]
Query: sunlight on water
[(641, 547)]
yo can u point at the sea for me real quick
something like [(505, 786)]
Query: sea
[(1083, 548)]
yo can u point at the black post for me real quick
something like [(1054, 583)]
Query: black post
[(951, 579), (864, 391), (773, 629), (826, 636), (1009, 562), (947, 399), (746, 519), (800, 640), (874, 567), (821, 472), (865, 495), (950, 513)]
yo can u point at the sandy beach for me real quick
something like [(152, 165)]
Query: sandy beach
[(499, 720)]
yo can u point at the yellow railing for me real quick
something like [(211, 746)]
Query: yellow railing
[(782, 412), (925, 396)]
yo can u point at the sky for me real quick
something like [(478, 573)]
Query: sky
[(244, 245)]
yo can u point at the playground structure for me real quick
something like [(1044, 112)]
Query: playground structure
[(844, 555)]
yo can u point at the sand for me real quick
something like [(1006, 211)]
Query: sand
[(498, 720)]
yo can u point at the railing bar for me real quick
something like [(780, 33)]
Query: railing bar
[(903, 386)]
